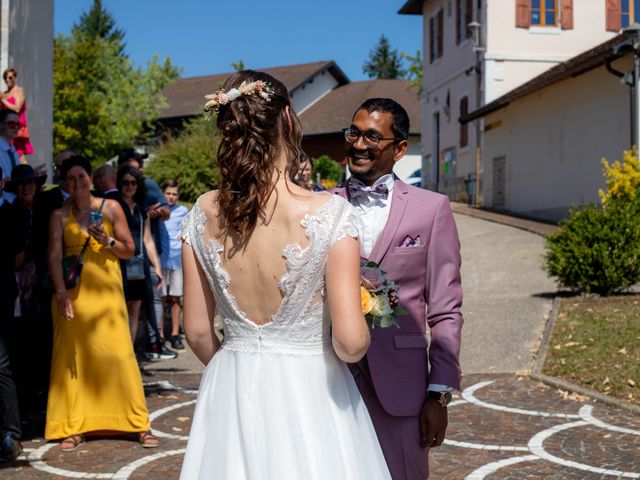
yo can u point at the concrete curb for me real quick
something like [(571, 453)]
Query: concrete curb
[(539, 228), (563, 384), (587, 392)]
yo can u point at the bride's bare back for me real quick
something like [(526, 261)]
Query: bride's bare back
[(256, 266)]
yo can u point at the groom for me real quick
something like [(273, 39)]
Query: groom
[(410, 233)]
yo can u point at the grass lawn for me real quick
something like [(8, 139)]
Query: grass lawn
[(596, 343)]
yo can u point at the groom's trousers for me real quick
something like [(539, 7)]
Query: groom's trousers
[(399, 437)]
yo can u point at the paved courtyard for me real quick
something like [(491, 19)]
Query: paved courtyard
[(502, 426)]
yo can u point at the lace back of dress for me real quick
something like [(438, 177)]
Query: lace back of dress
[(300, 322)]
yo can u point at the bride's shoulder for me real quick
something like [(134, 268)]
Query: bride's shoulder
[(207, 204)]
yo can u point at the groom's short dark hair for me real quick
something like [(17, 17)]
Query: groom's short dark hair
[(400, 124)]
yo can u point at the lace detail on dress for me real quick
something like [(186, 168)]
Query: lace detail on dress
[(300, 324)]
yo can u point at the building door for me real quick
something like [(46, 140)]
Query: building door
[(499, 178), (435, 154)]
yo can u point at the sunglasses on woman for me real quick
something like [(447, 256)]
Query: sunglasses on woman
[(129, 183)]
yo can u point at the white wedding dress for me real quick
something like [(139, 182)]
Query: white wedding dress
[(275, 402)]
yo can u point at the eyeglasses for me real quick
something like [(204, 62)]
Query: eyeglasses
[(12, 124), (371, 140), (10, 77), (129, 183)]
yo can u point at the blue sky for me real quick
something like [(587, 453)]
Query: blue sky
[(206, 36)]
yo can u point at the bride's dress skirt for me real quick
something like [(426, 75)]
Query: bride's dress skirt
[(281, 416)]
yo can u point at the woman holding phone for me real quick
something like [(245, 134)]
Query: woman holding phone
[(95, 381), (130, 183)]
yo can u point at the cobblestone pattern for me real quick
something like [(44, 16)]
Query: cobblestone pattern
[(500, 427)]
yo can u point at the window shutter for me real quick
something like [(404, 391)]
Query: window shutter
[(613, 15), (464, 127), (468, 15), (567, 14), (458, 20), (432, 40), (523, 13), (440, 31)]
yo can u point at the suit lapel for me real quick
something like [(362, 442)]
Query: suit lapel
[(398, 206)]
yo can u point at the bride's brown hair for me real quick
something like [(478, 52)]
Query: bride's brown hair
[(254, 131)]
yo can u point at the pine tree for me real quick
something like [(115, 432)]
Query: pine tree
[(384, 62), (99, 23)]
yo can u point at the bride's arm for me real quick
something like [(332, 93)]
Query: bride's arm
[(199, 308), (350, 334)]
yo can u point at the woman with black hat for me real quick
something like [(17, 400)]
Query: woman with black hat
[(25, 184)]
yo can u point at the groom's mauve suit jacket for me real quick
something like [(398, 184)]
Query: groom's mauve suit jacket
[(429, 277)]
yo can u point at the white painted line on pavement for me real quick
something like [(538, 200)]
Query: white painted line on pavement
[(35, 460), (482, 472), (481, 446), (125, 472), (535, 445), (162, 411), (586, 414), (468, 395)]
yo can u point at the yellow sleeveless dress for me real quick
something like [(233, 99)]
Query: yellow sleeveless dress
[(95, 380)]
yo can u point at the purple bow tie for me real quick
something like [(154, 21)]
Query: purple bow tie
[(356, 189)]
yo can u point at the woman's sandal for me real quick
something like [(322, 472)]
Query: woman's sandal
[(148, 439), (71, 443)]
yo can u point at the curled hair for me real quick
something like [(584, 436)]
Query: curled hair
[(254, 132)]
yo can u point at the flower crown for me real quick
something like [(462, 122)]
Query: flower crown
[(260, 88)]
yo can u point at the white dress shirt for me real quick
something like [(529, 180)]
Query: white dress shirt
[(374, 211)]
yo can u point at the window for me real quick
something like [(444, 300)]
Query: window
[(464, 127), (464, 16), (435, 35), (629, 12), (544, 13)]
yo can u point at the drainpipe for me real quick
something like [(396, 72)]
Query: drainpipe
[(479, 50), (634, 32)]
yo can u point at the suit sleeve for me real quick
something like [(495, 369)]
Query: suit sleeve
[(443, 293)]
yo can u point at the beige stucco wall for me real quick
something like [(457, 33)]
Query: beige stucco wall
[(512, 57), (30, 52), (553, 141)]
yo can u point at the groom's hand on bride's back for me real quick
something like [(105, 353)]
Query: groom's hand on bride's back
[(433, 423)]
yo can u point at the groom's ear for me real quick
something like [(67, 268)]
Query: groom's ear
[(400, 150)]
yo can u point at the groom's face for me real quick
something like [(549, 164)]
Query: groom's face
[(367, 163)]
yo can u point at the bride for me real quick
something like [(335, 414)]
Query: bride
[(280, 265)]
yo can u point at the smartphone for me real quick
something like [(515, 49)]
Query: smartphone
[(95, 217)]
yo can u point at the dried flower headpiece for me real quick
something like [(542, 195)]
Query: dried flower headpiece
[(260, 88)]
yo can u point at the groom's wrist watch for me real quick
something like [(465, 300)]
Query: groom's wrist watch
[(443, 397)]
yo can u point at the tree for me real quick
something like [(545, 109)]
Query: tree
[(414, 72), (98, 23), (384, 62), (190, 159), (101, 102), (238, 66)]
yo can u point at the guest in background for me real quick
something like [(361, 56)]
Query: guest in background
[(171, 260), (10, 429), (105, 185), (131, 185), (305, 173), (156, 208), (9, 126), (13, 98), (25, 184), (95, 381)]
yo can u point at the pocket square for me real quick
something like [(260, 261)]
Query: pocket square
[(410, 241)]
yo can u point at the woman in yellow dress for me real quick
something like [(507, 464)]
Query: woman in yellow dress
[(95, 381)]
